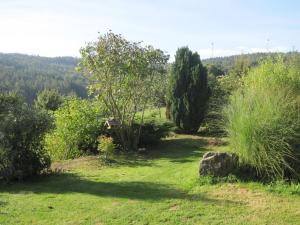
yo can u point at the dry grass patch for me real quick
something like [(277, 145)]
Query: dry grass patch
[(82, 162), (251, 198)]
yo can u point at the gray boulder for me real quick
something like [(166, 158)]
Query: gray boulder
[(218, 164)]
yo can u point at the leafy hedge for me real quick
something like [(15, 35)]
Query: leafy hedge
[(22, 131), (78, 123)]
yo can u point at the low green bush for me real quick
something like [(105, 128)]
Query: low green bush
[(152, 132), (263, 118), (153, 129), (22, 130), (78, 123), (106, 146)]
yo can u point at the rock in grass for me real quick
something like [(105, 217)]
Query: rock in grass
[(218, 164)]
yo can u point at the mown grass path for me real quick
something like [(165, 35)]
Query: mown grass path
[(161, 187)]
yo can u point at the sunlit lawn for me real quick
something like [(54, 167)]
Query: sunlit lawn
[(160, 187)]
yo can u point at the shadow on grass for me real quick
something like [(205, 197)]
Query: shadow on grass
[(2, 203), (97, 162), (177, 150), (127, 162), (135, 190), (181, 160), (132, 160)]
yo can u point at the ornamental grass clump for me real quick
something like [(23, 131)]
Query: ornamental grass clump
[(263, 120)]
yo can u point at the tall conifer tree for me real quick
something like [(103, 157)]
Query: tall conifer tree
[(188, 91)]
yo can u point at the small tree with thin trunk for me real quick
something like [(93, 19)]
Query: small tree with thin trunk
[(123, 75)]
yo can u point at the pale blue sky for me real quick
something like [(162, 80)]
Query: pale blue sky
[(61, 27)]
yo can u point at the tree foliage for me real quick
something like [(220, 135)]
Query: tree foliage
[(22, 131), (188, 91), (221, 88), (78, 123), (215, 70), (49, 100), (124, 76)]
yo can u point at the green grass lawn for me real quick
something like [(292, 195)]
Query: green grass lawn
[(161, 187)]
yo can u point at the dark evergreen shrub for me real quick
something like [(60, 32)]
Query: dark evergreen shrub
[(22, 131), (188, 91)]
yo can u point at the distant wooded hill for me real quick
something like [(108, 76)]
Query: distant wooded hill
[(227, 63), (28, 75)]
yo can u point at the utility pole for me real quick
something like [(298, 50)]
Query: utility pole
[(268, 45)]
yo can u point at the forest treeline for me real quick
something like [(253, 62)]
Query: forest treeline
[(29, 75), (227, 63)]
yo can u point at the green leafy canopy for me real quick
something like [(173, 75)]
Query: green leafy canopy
[(123, 75)]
